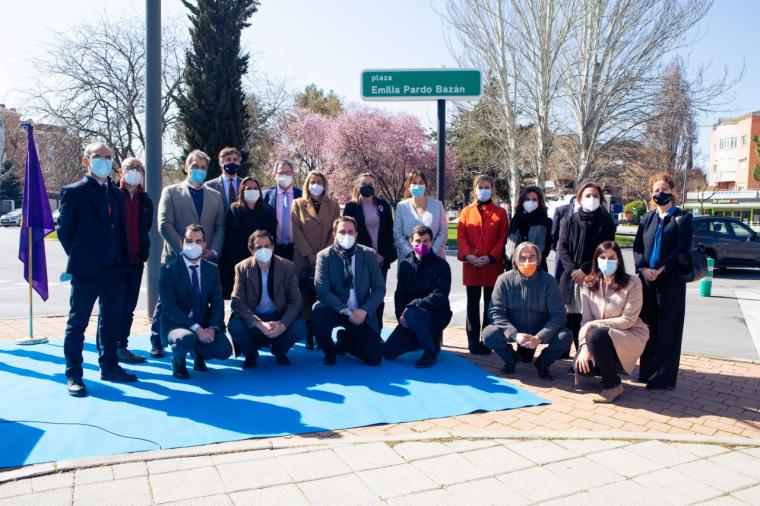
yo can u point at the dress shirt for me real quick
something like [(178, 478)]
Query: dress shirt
[(284, 194)]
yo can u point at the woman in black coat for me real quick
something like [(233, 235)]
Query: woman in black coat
[(530, 223), (248, 214), (374, 225), (579, 235), (663, 238)]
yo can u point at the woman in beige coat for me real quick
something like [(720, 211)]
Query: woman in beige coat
[(611, 330), (312, 218)]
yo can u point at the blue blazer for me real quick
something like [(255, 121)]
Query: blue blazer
[(84, 226), (270, 197)]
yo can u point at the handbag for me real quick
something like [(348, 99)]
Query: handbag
[(692, 266)]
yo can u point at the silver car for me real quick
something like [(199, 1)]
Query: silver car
[(11, 219)]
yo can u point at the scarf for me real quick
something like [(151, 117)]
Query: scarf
[(655, 256), (584, 234), (346, 255), (527, 227)]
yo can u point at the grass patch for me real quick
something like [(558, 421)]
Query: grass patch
[(452, 240), (624, 241), (52, 236)]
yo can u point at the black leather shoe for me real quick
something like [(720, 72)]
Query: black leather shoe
[(127, 357), (507, 369), (156, 352), (657, 381), (543, 371), (309, 342), (250, 361), (76, 387), (179, 371), (116, 374), (479, 349), (199, 364), (329, 360), (426, 360), (282, 359)]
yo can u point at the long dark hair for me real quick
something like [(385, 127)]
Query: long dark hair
[(619, 279), (240, 202), (524, 195)]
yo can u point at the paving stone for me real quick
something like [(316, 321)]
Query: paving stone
[(586, 446), (539, 484), (497, 460), (178, 464), (18, 487), (465, 445), (677, 488), (52, 481), (437, 497), (93, 475), (212, 500), (347, 489), (314, 465), (701, 450), (579, 499), (414, 450), (587, 473), (725, 500), (661, 453), (129, 470), (272, 496), (750, 495), (627, 493), (740, 462), (623, 462), (253, 474), (752, 452), (489, 491), (714, 475), (130, 491), (450, 469), (397, 480), (187, 484), (541, 451), (368, 456), (60, 496)]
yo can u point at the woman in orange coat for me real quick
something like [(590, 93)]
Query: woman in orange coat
[(481, 233)]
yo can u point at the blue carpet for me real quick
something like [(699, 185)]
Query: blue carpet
[(39, 422)]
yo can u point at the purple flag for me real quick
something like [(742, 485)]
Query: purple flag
[(36, 218)]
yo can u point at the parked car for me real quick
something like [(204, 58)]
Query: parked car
[(727, 240), (11, 219)]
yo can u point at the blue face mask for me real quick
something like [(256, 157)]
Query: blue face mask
[(607, 267), (417, 190), (484, 195), (100, 167), (198, 176)]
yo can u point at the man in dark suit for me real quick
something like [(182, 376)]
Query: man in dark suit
[(349, 288), (266, 303), (91, 231), (192, 316), (228, 182), (280, 198)]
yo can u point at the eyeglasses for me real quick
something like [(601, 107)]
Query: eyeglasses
[(101, 157)]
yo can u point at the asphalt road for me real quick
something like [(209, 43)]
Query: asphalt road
[(721, 325)]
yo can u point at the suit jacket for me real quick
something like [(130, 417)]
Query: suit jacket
[(85, 223), (385, 247), (270, 196), (369, 284), (176, 211), (312, 230), (176, 293), (675, 240), (145, 221), (282, 286), (218, 185), (424, 284)]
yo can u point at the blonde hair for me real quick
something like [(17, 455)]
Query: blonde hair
[(311, 174)]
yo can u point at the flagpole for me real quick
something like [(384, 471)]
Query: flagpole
[(31, 339)]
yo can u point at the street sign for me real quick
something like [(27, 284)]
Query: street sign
[(421, 84)]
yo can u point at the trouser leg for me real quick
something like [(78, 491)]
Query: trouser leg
[(284, 251), (420, 322), (381, 307), (84, 292), (323, 320), (111, 300), (495, 339), (155, 326), (363, 342), (132, 283), (559, 343), (487, 292), (182, 341), (603, 351), (219, 349), (402, 340), (650, 315), (294, 333), (574, 325), (671, 295), (241, 335), (473, 314)]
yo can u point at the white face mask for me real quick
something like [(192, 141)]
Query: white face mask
[(590, 204), (530, 205), (263, 255), (284, 181), (346, 241), (132, 177), (192, 251), (251, 195), (316, 189)]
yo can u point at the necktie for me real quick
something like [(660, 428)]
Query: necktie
[(285, 220), (197, 310), (231, 196)]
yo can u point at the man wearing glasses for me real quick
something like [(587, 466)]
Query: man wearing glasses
[(91, 230)]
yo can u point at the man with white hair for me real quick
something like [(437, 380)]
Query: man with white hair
[(91, 231), (183, 204)]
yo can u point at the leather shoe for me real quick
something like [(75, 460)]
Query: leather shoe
[(329, 360), (199, 364), (116, 374), (426, 360), (179, 371), (543, 371), (282, 359), (76, 387), (127, 357), (156, 352), (250, 361), (310, 342), (609, 395), (479, 349)]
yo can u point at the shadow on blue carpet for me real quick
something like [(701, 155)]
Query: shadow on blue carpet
[(39, 422)]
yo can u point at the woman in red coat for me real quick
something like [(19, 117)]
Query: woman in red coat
[(481, 233)]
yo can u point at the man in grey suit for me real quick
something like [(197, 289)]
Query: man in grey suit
[(228, 183), (349, 288), (183, 204), (192, 318)]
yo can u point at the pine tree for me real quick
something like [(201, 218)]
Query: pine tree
[(212, 108)]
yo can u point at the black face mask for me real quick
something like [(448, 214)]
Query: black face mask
[(662, 198), (231, 168), (366, 190)]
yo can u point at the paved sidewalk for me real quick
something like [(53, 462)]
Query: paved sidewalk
[(459, 471)]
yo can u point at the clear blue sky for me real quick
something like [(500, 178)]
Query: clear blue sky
[(331, 41)]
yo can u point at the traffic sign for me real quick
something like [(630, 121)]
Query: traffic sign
[(421, 84)]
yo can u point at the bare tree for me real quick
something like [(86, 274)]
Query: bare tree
[(92, 80)]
